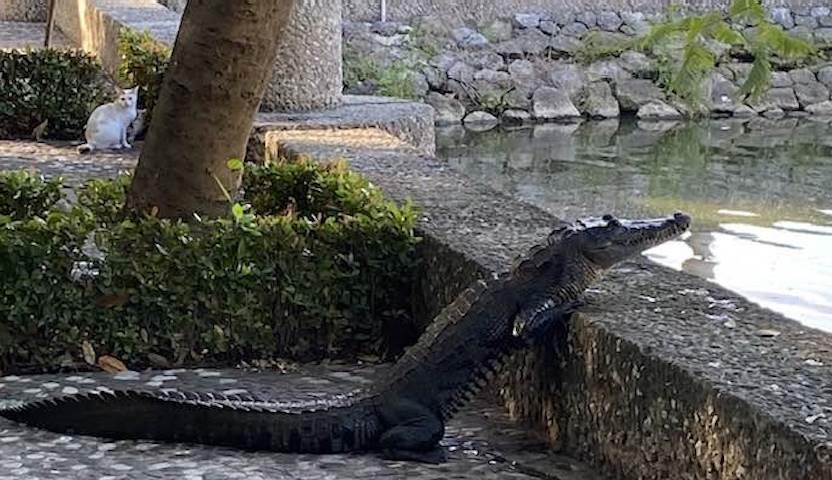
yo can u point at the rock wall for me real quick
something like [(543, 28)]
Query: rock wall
[(23, 11), (457, 12), (533, 67)]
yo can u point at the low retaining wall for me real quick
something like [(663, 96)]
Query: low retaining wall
[(649, 381)]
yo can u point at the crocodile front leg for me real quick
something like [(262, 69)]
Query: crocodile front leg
[(412, 433)]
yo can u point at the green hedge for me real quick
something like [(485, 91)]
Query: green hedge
[(143, 64), (61, 86), (323, 268)]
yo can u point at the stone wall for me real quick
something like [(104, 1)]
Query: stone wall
[(459, 12), (532, 67), (22, 10)]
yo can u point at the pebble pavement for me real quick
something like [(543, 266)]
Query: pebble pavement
[(482, 441)]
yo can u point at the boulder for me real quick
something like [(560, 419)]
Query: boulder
[(802, 75), (820, 12), (485, 59), (418, 83), (783, 17), (811, 93), (823, 109), (597, 101), (448, 109), (806, 21), (553, 104), (461, 72), (634, 23), (722, 93), (825, 76), (493, 77), (657, 110), (637, 63), (566, 76), (514, 116), (518, 99), (549, 27), (574, 29), (606, 70), (526, 20), (825, 21), (563, 46), (588, 18), (480, 121), (524, 74), (435, 77), (498, 30), (633, 94), (783, 98), (609, 21), (743, 111), (781, 79), (823, 35), (527, 43)]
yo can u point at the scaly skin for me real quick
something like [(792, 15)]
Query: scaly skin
[(404, 413)]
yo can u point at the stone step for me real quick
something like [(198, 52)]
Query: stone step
[(28, 35)]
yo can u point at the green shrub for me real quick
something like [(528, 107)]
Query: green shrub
[(143, 64), (23, 195), (59, 86), (327, 278)]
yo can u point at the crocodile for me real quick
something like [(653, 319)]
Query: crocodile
[(403, 413)]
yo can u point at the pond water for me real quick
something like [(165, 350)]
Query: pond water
[(760, 193)]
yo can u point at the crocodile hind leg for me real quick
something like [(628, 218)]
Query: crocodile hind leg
[(413, 433)]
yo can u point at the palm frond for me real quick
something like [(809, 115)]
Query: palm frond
[(722, 32), (696, 63), (752, 10), (781, 43), (758, 79), (660, 32)]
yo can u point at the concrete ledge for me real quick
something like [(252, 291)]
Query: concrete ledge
[(410, 122), (647, 382), (94, 25)]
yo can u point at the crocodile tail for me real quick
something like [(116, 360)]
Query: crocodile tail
[(206, 418)]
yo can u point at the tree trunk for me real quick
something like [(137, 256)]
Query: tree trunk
[(220, 66)]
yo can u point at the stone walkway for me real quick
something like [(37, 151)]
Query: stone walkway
[(61, 159), (27, 35), (482, 442)]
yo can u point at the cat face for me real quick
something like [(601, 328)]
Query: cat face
[(128, 97)]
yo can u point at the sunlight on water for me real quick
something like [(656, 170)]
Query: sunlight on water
[(762, 217)]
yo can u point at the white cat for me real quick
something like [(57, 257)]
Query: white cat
[(108, 123)]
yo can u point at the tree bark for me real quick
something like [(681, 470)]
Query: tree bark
[(221, 63)]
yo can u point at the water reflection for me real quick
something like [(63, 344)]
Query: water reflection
[(760, 192)]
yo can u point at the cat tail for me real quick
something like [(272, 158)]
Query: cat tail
[(85, 148)]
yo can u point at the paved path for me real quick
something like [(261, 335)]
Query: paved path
[(482, 442), (27, 35), (62, 159)]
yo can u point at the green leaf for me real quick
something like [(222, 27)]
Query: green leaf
[(772, 37), (235, 165), (758, 79), (722, 32), (748, 10), (238, 211)]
